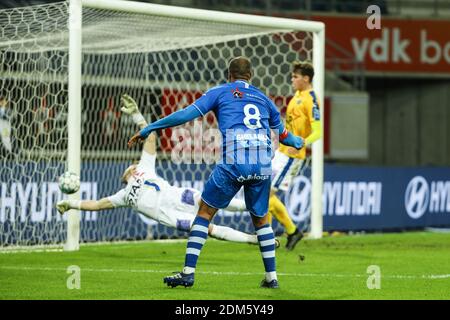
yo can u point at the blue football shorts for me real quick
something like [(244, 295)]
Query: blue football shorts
[(226, 180)]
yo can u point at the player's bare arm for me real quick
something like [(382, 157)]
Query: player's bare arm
[(175, 119), (86, 205)]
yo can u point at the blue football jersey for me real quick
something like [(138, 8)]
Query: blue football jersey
[(245, 116)]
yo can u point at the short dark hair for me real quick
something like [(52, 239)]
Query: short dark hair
[(240, 68), (303, 68)]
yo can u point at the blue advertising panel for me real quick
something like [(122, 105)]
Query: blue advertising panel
[(371, 198), (354, 198)]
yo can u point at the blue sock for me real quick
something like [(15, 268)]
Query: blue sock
[(196, 240), (266, 241)]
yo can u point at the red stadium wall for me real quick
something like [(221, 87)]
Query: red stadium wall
[(401, 46)]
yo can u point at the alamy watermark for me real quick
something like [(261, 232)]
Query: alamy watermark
[(374, 279), (74, 280), (374, 20), (242, 146)]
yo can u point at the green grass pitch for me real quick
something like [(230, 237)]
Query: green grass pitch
[(414, 265)]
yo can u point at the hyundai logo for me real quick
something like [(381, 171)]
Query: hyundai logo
[(416, 197), (298, 199)]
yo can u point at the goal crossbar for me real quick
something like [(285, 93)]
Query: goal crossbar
[(205, 15)]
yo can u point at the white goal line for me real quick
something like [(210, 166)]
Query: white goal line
[(59, 247), (225, 273)]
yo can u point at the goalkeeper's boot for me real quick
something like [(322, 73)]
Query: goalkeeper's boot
[(180, 279), (270, 284), (293, 239)]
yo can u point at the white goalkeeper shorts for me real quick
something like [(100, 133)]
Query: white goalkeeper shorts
[(284, 169), (180, 212)]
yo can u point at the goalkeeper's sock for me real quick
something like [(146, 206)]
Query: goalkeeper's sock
[(269, 213), (269, 217), (196, 240), (236, 205), (280, 213), (266, 241), (229, 234)]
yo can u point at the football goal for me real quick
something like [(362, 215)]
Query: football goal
[(64, 67)]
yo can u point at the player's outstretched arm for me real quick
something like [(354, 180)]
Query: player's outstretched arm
[(86, 205), (175, 119), (130, 107)]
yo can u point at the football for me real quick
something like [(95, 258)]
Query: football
[(69, 182)]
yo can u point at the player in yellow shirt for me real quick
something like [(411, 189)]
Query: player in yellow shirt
[(303, 120)]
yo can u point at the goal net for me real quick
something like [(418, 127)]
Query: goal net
[(165, 62)]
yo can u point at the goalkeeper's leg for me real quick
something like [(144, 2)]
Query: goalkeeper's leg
[(230, 234), (279, 211), (284, 169), (236, 205)]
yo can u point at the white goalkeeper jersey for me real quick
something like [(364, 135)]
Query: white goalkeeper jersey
[(154, 197)]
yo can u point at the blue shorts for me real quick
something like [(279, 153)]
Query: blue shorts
[(226, 180)]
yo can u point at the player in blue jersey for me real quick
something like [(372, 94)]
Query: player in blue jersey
[(245, 116)]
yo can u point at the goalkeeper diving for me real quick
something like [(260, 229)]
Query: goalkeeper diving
[(153, 196)]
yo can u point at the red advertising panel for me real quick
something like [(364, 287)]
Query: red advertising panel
[(400, 46)]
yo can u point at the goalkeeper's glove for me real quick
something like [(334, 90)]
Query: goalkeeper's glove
[(130, 107), (65, 205)]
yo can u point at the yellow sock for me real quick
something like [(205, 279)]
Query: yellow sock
[(280, 213), (269, 218), (269, 214)]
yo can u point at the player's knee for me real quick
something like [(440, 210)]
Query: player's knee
[(205, 211), (260, 221)]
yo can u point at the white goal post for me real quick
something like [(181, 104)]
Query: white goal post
[(164, 56)]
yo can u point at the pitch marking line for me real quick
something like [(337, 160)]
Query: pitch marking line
[(59, 248), (324, 275)]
